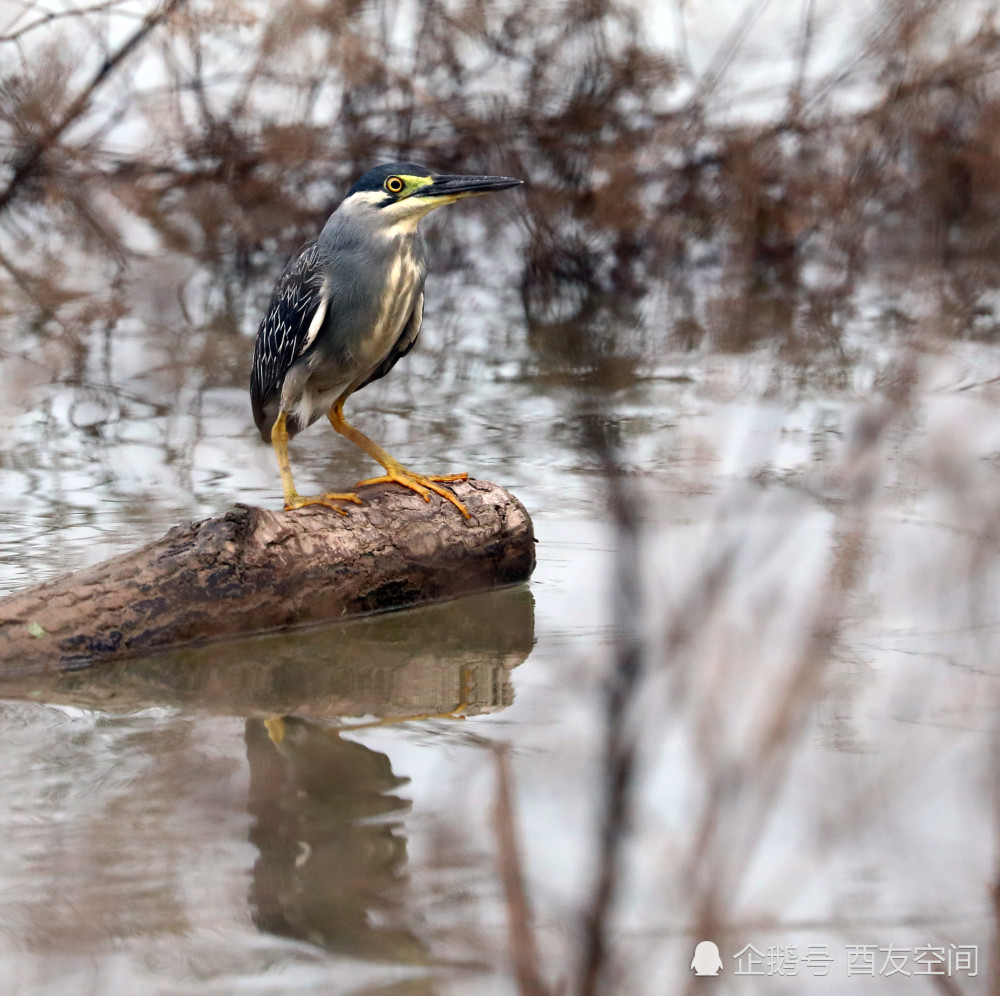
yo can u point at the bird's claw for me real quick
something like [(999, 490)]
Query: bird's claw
[(422, 484), (328, 500)]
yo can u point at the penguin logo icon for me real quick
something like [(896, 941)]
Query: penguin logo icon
[(706, 960)]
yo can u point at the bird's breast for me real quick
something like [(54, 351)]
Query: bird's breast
[(398, 294)]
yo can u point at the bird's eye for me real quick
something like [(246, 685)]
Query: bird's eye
[(394, 185)]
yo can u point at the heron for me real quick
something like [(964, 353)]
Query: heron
[(346, 309)]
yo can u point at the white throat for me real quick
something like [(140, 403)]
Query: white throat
[(399, 218)]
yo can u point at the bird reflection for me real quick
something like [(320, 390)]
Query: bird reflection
[(331, 854)]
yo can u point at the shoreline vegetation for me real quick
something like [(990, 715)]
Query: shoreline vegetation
[(224, 133)]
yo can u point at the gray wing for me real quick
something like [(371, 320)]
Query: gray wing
[(406, 341), (284, 333)]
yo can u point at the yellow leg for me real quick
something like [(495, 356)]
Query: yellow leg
[(275, 729), (293, 500), (395, 472)]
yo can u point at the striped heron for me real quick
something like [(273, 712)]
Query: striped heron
[(346, 309)]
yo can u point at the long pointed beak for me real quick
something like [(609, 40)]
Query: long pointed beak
[(455, 186)]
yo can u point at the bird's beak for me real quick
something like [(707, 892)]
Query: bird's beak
[(454, 186)]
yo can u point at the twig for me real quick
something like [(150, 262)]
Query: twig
[(728, 51), (524, 951), (805, 50), (56, 15), (995, 887), (31, 160), (683, 47), (842, 73), (619, 740)]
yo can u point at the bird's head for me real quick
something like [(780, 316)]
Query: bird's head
[(402, 193)]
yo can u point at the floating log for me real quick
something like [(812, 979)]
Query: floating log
[(252, 571)]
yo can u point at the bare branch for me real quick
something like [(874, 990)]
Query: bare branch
[(58, 15), (620, 693), (806, 38), (523, 950), (30, 162), (728, 51)]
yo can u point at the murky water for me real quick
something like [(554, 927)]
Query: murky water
[(165, 830)]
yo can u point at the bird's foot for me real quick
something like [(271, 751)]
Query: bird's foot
[(330, 499), (423, 485)]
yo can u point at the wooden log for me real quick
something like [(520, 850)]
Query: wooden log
[(252, 570)]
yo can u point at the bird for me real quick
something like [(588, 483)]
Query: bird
[(347, 307)]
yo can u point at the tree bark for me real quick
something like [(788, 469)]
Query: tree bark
[(253, 570)]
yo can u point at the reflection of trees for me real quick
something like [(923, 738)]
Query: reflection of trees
[(326, 824)]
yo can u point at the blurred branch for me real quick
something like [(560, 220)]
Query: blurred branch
[(58, 15), (32, 157), (876, 38), (995, 885), (683, 46), (27, 285), (742, 792), (620, 692), (523, 950), (806, 38), (728, 51)]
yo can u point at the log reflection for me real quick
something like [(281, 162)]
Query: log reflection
[(428, 661)]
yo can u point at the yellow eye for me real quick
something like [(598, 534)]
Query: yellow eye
[(394, 185)]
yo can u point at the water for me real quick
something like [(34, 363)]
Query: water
[(166, 830), (745, 381)]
